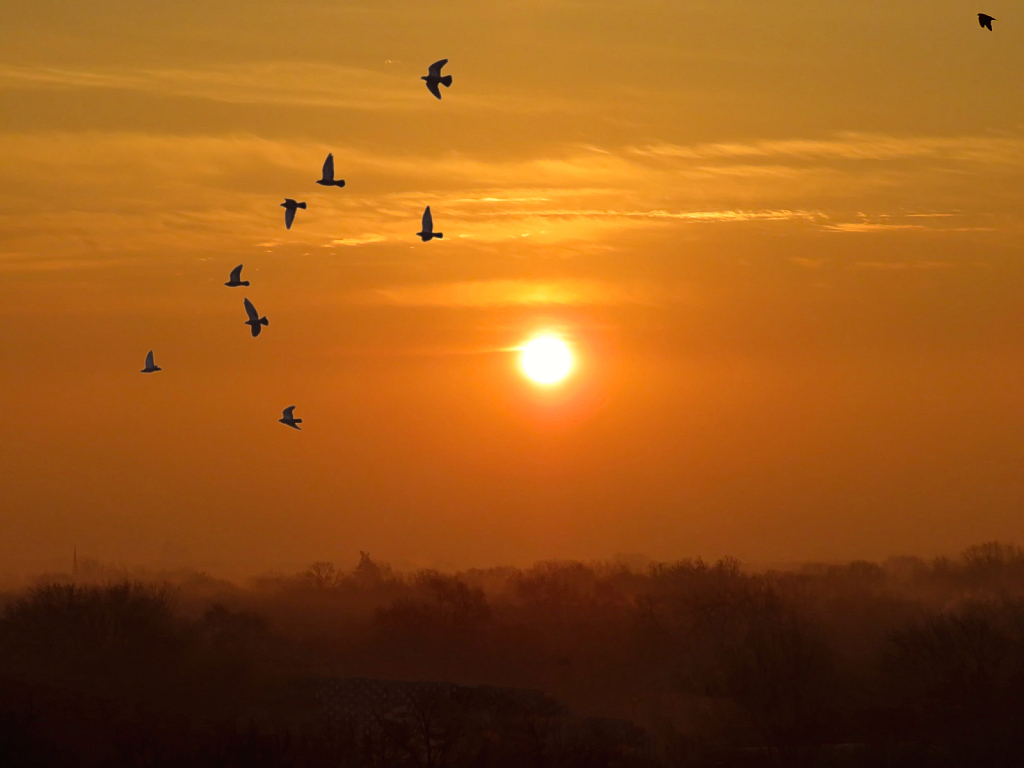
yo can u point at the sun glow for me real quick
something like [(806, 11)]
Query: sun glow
[(546, 360)]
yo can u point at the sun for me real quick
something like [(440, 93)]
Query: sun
[(546, 360)]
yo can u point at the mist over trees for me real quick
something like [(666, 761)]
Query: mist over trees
[(905, 662)]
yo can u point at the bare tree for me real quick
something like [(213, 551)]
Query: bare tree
[(322, 574)]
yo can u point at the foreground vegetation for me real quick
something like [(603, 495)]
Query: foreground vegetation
[(904, 663)]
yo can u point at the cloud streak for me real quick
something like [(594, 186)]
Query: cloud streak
[(130, 193), (989, 150), (505, 293), (285, 83)]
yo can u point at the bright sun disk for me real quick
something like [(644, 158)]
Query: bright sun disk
[(546, 360)]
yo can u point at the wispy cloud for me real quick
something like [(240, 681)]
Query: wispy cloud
[(352, 241), (852, 146), (708, 216), (902, 266), (498, 293), (893, 226), (807, 262), (863, 226), (278, 83), (263, 83), (130, 193)]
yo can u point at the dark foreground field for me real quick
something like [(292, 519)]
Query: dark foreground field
[(905, 663)]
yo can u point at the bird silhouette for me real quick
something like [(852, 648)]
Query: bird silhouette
[(328, 174), (433, 78), (428, 232), (986, 21), (289, 419), (151, 367), (290, 207), (235, 280), (255, 321)]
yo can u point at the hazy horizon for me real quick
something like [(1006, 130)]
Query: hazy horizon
[(84, 568)]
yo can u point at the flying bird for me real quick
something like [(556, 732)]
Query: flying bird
[(433, 78), (151, 367), (986, 21), (290, 207), (235, 280), (428, 232), (328, 175), (289, 419), (255, 321)]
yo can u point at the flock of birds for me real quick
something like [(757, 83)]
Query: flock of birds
[(434, 80)]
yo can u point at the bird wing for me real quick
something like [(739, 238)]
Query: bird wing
[(435, 68), (149, 360), (428, 221), (432, 87), (250, 310), (287, 413), (329, 168), (289, 217), (236, 274)]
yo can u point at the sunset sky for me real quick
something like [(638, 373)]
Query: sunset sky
[(784, 243)]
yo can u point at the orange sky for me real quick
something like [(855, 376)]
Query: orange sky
[(784, 244)]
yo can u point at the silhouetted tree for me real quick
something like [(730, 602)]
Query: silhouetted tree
[(962, 675), (322, 575), (367, 573)]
